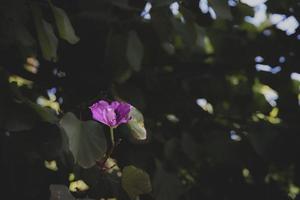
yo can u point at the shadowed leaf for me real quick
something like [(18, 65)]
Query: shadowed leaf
[(135, 51), (87, 140), (47, 39)]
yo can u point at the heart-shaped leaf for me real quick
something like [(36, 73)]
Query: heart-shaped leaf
[(135, 182), (64, 26), (86, 139)]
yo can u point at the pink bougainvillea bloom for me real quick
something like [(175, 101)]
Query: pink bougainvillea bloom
[(112, 114)]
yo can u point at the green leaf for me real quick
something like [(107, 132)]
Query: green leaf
[(135, 182), (86, 139), (64, 26), (46, 114), (221, 8), (47, 39), (136, 124), (135, 51)]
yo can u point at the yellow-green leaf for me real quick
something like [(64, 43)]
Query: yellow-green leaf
[(136, 124), (64, 26), (135, 182)]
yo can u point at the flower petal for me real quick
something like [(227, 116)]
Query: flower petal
[(122, 112), (110, 116), (99, 111)]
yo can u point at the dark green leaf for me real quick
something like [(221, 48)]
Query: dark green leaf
[(135, 51), (47, 39), (45, 114), (87, 140)]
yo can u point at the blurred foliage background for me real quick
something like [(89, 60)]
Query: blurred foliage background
[(217, 82)]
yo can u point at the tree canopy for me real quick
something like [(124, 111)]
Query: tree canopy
[(214, 88)]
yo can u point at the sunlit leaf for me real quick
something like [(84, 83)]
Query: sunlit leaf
[(87, 140), (64, 26), (51, 165), (136, 124), (135, 51), (20, 81), (135, 182), (78, 186)]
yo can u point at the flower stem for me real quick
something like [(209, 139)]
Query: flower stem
[(108, 154), (112, 137)]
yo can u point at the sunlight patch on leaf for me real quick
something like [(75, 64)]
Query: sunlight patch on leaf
[(172, 118), (174, 7), (78, 186), (71, 177), (51, 165), (293, 191), (111, 165), (186, 176), (20, 81), (247, 175), (208, 47), (271, 118), (270, 95), (44, 102)]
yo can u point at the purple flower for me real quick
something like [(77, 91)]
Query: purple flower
[(112, 114)]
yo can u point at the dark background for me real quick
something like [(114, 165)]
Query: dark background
[(237, 144)]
